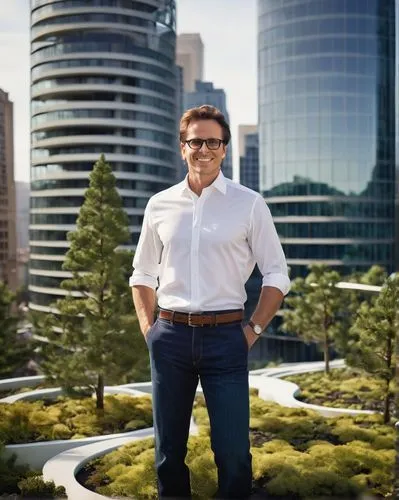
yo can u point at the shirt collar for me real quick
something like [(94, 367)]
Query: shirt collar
[(219, 183)]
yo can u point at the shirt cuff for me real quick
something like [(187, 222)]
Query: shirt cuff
[(280, 281), (138, 278)]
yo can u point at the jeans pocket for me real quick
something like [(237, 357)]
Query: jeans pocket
[(150, 331), (244, 337)]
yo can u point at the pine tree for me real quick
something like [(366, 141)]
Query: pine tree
[(93, 331), (315, 309), (374, 338), (14, 352), (376, 276)]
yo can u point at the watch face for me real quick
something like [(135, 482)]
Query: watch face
[(258, 329)]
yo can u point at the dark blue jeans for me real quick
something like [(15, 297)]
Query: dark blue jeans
[(217, 356)]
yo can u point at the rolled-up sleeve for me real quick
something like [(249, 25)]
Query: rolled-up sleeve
[(266, 248), (148, 253)]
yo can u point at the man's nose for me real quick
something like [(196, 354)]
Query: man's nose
[(203, 147)]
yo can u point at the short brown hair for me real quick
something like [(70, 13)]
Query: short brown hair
[(204, 112)]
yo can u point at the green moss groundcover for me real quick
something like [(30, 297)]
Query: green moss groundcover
[(344, 388), (297, 454), (68, 418)]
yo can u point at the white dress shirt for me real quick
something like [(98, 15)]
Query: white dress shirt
[(203, 249)]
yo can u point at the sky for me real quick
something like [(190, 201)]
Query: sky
[(228, 31)]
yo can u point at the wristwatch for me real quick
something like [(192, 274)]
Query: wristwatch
[(256, 328)]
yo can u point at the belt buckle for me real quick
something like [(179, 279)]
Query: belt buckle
[(190, 315)]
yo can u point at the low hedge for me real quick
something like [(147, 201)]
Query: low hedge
[(37, 487), (17, 479), (10, 473), (297, 454), (342, 388), (67, 418)]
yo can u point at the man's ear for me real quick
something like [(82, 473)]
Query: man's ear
[(182, 151)]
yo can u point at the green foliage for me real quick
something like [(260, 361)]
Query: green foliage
[(127, 471), (316, 307), (375, 276), (374, 338), (95, 338), (343, 388), (296, 453), (10, 473), (14, 352), (24, 422), (35, 486), (203, 472)]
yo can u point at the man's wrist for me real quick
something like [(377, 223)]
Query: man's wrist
[(146, 328), (255, 327)]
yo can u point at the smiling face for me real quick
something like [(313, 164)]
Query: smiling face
[(204, 162)]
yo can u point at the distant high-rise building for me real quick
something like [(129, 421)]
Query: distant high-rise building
[(22, 193), (205, 93), (103, 81), (181, 169), (8, 244), (327, 130), (190, 56), (248, 145)]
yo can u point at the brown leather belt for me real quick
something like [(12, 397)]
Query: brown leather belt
[(201, 319)]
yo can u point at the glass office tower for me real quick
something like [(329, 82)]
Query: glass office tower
[(103, 81), (249, 161), (327, 129)]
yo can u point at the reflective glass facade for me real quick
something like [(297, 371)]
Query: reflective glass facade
[(249, 163), (327, 129), (103, 80)]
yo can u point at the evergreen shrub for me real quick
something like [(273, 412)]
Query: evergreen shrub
[(35, 486)]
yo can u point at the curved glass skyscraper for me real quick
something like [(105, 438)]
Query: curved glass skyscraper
[(103, 81), (327, 129)]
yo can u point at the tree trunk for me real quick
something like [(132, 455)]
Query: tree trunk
[(387, 403), (326, 355), (100, 392)]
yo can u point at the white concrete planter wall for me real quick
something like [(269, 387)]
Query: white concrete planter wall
[(35, 455), (7, 384), (54, 392), (63, 468), (284, 393), (271, 388)]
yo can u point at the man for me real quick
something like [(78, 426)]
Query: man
[(201, 239)]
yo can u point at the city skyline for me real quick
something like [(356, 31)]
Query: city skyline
[(237, 75)]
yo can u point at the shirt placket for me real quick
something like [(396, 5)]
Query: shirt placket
[(195, 241)]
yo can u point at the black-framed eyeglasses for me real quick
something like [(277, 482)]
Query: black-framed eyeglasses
[(212, 144)]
